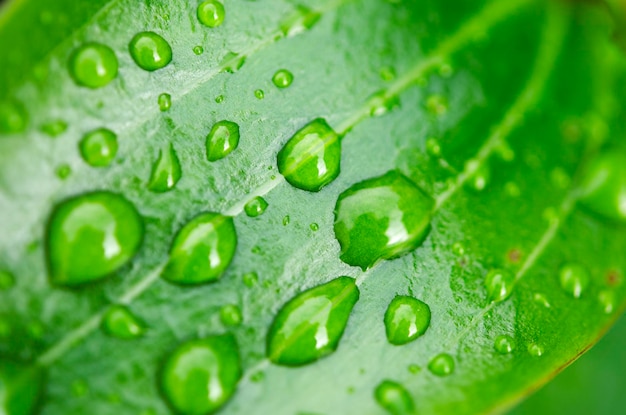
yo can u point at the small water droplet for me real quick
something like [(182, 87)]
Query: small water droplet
[(259, 94), (312, 323), (255, 207), (574, 278), (499, 284), (230, 315), (257, 377), (286, 220), (380, 103), (437, 105), (150, 51), (13, 117), (387, 73), (381, 218), (512, 189), (458, 249), (414, 369), (480, 179), (200, 376), (304, 19), (7, 280), (311, 158), (541, 299), (63, 171), (91, 236), (607, 301), (282, 78), (211, 13), (441, 365), (93, 65), (99, 147), (394, 398), (166, 171), (219, 99), (433, 147), (250, 279), (165, 102), (406, 319), (222, 140), (120, 322), (314, 227), (232, 62), (202, 250), (198, 50), (535, 350), (504, 344), (54, 128), (445, 70)]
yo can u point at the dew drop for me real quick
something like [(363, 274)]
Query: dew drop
[(257, 377), (255, 207), (380, 103), (304, 19), (250, 279), (165, 102), (433, 147), (54, 128), (98, 147), (311, 158), (230, 315), (198, 50), (312, 323), (414, 369), (13, 117), (222, 140), (7, 280), (504, 344), (446, 70), (480, 179), (541, 299), (499, 284), (574, 278), (441, 365), (607, 301), (314, 227), (437, 105), (604, 186), (202, 250), (119, 322), (63, 171), (166, 171), (512, 189), (200, 376), (91, 236), (458, 249), (286, 220), (219, 99), (535, 350), (406, 319), (394, 398), (93, 65), (150, 51), (211, 13), (381, 218), (259, 94), (282, 78)]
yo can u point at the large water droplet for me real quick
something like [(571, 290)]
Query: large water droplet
[(394, 398), (166, 171), (200, 376), (504, 344), (222, 140), (311, 324), (202, 250), (499, 284), (211, 13), (441, 365), (406, 319), (381, 218), (604, 186), (99, 147), (282, 78), (91, 236), (255, 207), (150, 51), (13, 117), (121, 323), (93, 65), (7, 280), (574, 278), (310, 159), (21, 388)]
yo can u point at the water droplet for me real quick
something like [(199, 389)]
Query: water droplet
[(13, 117), (80, 388), (198, 50), (166, 171), (312, 323), (446, 70), (250, 279), (458, 249), (394, 398), (257, 377), (406, 319), (311, 158), (282, 78), (480, 179), (219, 99), (255, 207), (441, 365), (211, 13), (150, 51), (200, 376), (512, 189), (93, 65), (54, 128), (607, 301), (98, 147), (165, 102), (222, 140), (314, 227), (286, 220), (387, 73), (232, 62), (499, 284), (91, 236), (63, 171), (414, 369), (535, 350), (381, 218), (604, 186), (259, 94), (541, 299), (437, 105), (380, 103), (202, 250), (304, 19), (433, 147), (230, 315), (504, 344), (121, 323), (574, 278), (7, 280)]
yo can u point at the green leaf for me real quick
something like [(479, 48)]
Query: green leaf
[(463, 156)]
